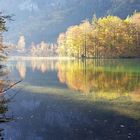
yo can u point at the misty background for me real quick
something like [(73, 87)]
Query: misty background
[(44, 20)]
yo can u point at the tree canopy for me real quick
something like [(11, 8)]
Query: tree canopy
[(106, 37)]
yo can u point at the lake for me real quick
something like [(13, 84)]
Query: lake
[(73, 100)]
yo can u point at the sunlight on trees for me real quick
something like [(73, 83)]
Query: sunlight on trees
[(43, 49), (107, 37), (21, 44)]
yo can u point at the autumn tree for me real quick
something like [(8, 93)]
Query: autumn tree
[(21, 44), (135, 19), (62, 48), (106, 37), (43, 49), (86, 38)]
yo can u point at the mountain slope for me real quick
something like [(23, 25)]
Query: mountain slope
[(45, 19)]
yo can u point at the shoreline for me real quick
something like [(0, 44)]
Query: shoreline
[(40, 58), (67, 58)]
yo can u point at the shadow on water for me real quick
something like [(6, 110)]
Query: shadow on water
[(57, 117), (92, 100)]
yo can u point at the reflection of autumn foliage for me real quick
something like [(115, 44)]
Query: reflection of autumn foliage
[(96, 78), (2, 85), (42, 65), (3, 82), (21, 68), (39, 66), (72, 75), (5, 85)]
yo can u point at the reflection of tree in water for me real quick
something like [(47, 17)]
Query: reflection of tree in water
[(3, 111), (3, 100), (5, 86), (21, 67), (108, 79), (40, 65)]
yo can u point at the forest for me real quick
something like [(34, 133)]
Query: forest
[(105, 37)]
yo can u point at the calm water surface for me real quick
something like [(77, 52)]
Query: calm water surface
[(74, 100)]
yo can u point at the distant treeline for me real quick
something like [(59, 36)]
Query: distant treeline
[(107, 37), (42, 49)]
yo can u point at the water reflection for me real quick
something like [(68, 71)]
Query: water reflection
[(105, 79), (42, 65), (5, 85), (99, 79), (77, 99), (21, 67)]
